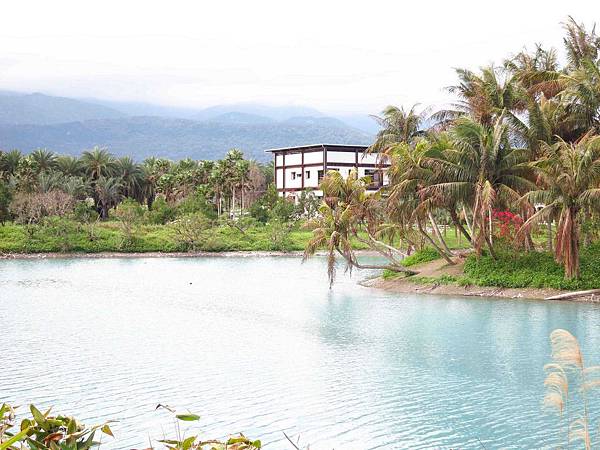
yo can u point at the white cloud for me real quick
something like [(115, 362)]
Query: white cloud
[(333, 55)]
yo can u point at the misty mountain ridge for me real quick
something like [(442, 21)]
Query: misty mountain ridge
[(30, 121)]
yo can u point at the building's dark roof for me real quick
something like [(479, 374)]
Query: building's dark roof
[(298, 147)]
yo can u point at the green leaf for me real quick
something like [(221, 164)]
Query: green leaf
[(188, 417), (39, 417), (257, 443), (187, 443), (16, 438)]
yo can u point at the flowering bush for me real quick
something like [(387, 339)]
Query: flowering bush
[(507, 227)]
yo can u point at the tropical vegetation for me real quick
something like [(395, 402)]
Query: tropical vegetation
[(513, 166)]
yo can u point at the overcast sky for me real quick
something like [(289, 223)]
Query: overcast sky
[(337, 56)]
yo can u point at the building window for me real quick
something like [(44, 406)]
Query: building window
[(307, 174), (320, 175)]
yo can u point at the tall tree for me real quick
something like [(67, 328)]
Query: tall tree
[(571, 177)]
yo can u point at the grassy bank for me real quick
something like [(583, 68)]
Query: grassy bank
[(110, 237), (510, 270)]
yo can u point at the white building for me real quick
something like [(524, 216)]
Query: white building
[(301, 168)]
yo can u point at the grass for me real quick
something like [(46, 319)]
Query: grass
[(533, 270), (511, 270)]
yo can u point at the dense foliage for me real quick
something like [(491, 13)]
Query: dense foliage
[(516, 156)]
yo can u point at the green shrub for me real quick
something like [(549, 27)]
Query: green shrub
[(161, 212), (533, 269), (422, 256)]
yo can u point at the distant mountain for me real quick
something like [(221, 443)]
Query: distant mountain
[(16, 108), (278, 113), (362, 122), (179, 138), (241, 119)]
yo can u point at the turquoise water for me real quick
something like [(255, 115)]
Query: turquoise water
[(261, 345)]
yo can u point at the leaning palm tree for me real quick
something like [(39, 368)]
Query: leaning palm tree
[(571, 175), (346, 212)]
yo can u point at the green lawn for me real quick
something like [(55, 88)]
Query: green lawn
[(109, 237)]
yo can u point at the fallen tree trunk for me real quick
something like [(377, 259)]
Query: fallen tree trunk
[(571, 295)]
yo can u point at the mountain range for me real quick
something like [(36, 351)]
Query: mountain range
[(66, 125)]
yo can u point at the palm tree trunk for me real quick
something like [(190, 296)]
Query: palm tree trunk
[(432, 242), (549, 234), (456, 222), (438, 234)]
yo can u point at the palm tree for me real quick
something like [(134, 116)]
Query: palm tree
[(345, 212), (483, 97), (571, 176), (131, 176), (108, 192), (11, 162), (581, 44), (69, 165), (97, 163), (482, 170), (45, 160), (397, 125)]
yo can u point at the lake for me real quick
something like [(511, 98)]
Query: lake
[(262, 345)]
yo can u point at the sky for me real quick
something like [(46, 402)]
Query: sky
[(336, 56)]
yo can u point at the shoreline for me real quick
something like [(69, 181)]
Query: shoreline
[(197, 254), (405, 286), (109, 255)]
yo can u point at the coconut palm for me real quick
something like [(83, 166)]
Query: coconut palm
[(571, 176), (580, 44), (482, 170), (483, 97), (345, 212), (397, 125)]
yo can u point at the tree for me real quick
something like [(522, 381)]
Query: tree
[(5, 199), (131, 177), (107, 191), (571, 175), (397, 125), (97, 163), (483, 170), (44, 160), (344, 214)]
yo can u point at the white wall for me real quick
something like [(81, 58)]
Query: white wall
[(341, 157), (313, 157)]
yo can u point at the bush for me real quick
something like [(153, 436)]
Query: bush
[(196, 203), (161, 212), (193, 230), (129, 213)]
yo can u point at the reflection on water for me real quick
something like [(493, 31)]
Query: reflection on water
[(261, 345)]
